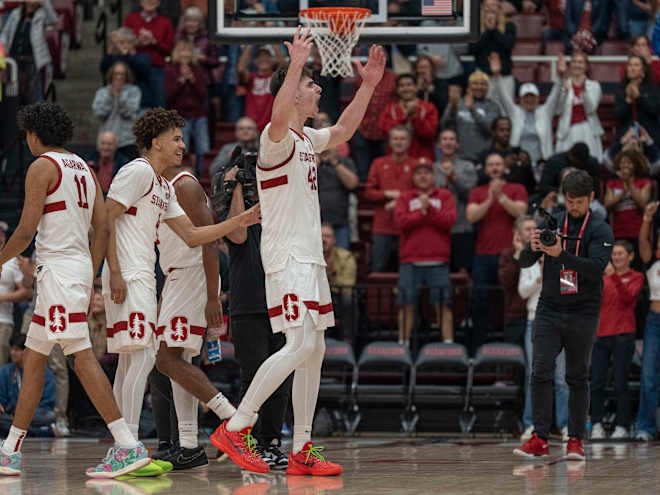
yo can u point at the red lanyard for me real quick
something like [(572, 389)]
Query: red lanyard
[(584, 224)]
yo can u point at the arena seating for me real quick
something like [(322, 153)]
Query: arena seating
[(338, 376)]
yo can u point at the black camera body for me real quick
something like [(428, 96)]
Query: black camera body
[(222, 190), (548, 236)]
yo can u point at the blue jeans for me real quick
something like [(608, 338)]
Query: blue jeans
[(648, 394), (198, 129), (484, 277), (601, 13), (157, 84), (343, 236), (383, 247), (561, 388)]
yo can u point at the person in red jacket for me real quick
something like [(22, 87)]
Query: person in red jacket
[(388, 176), (494, 207), (186, 82), (616, 336), (425, 216), (155, 37), (420, 116)]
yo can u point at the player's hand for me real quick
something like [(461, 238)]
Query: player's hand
[(117, 287), (251, 216), (301, 47), (213, 313), (372, 73)]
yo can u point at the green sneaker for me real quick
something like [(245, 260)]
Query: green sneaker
[(150, 470), (166, 466), (151, 485)]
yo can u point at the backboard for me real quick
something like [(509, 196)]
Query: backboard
[(391, 21)]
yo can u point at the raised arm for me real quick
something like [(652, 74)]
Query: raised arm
[(286, 96), (352, 116), (645, 248)]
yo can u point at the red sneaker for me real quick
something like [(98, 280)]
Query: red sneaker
[(534, 447), (310, 461), (574, 450), (239, 446)]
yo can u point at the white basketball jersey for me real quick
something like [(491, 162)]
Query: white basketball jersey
[(174, 253), (148, 199), (288, 193), (63, 230)]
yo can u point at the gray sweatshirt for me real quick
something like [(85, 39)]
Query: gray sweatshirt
[(473, 126), (466, 179)]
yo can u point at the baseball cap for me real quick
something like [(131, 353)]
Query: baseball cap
[(423, 162), (528, 88)]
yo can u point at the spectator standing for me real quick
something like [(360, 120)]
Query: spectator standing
[(459, 176), (494, 206), (531, 122), (644, 15), (616, 339), (388, 176), (247, 137), (649, 393), (501, 143), (155, 37), (10, 385), (637, 100), (425, 215), (12, 289), (556, 29), (472, 116), (258, 99), (579, 98), (627, 195), (601, 18), (186, 84), (341, 269), (24, 36), (106, 160), (509, 276), (430, 88), (577, 157), (192, 29), (419, 116), (641, 46), (336, 179), (121, 48), (117, 106)]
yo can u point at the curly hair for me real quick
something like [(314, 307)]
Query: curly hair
[(638, 160), (153, 123), (48, 121)]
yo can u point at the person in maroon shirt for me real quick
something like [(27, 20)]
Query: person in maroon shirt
[(616, 336), (185, 91), (259, 99), (420, 116), (388, 176), (494, 206), (425, 216), (155, 37)]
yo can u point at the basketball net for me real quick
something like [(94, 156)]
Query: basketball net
[(336, 31)]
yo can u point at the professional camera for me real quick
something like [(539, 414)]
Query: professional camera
[(548, 236), (222, 190)]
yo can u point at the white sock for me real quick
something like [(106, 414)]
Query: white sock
[(244, 417), (122, 434), (188, 435), (14, 440), (448, 341), (301, 435), (221, 406)]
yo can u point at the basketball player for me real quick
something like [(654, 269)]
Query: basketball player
[(140, 199), (297, 290), (189, 303), (63, 200)]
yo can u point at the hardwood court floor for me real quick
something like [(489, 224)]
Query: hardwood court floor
[(373, 465)]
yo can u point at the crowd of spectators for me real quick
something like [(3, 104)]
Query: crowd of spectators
[(443, 177)]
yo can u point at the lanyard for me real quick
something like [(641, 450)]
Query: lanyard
[(584, 224)]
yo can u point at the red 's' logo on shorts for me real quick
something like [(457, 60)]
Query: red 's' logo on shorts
[(136, 325), (179, 328), (290, 306), (57, 318)]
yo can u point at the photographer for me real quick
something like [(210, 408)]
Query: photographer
[(568, 310), (251, 333)]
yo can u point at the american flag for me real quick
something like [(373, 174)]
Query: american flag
[(436, 7)]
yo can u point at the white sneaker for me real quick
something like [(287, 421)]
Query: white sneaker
[(61, 428), (620, 433), (527, 434), (598, 432), (643, 436), (564, 434)]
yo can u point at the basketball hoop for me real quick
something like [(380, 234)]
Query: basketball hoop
[(336, 30)]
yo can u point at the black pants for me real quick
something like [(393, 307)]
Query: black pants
[(622, 347), (514, 331), (557, 328), (254, 342), (162, 405)]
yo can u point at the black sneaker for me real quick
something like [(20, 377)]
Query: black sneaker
[(164, 451), (274, 457), (182, 458)]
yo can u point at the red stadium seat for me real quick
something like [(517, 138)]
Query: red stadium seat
[(554, 47), (524, 72), (528, 26), (608, 72), (526, 48), (544, 73), (224, 133), (613, 48)]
